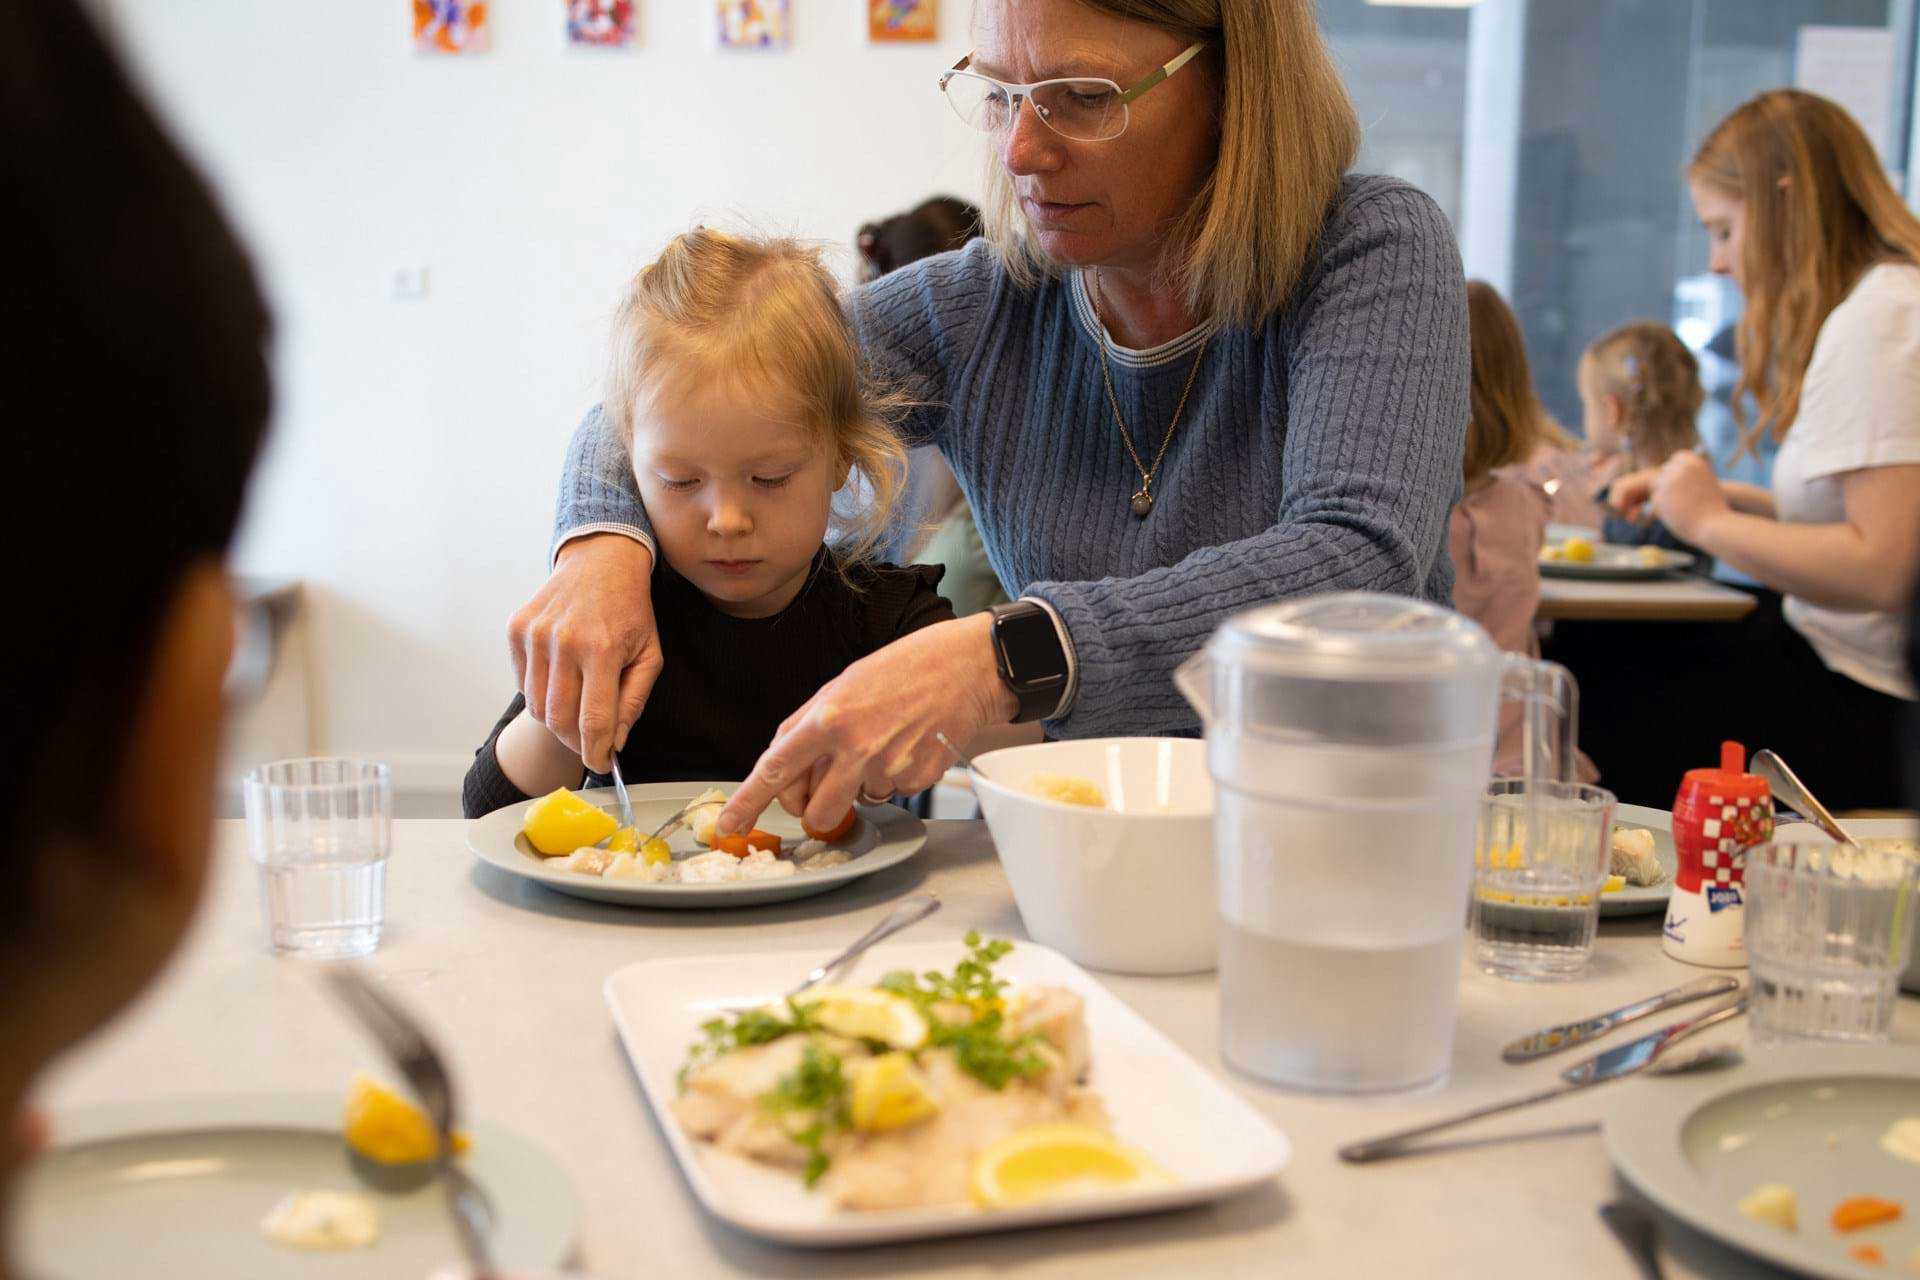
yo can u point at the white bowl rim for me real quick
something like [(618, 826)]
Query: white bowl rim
[(980, 779)]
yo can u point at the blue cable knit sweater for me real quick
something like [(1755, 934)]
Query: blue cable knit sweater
[(1319, 451)]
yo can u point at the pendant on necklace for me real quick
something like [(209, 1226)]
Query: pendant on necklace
[(1142, 503)]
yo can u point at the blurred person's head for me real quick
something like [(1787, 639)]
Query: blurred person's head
[(1640, 391), (932, 226), (1508, 421), (1796, 207), (738, 385), (1226, 170), (136, 386)]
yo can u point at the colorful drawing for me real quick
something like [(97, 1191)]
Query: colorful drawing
[(755, 24), (903, 20), (450, 26), (605, 24)]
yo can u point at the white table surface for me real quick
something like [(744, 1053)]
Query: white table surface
[(509, 977), (1682, 599)]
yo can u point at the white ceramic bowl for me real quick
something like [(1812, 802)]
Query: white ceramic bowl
[(1128, 888)]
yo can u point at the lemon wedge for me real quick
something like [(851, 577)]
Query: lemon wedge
[(1052, 1160), (386, 1128), (889, 1092), (625, 840), (654, 851), (867, 1013), (1614, 884), (561, 822), (1577, 550)]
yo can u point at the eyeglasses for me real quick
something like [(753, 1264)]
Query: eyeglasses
[(1084, 108)]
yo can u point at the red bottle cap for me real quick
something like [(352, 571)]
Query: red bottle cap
[(1730, 779)]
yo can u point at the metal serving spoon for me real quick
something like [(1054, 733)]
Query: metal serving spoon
[(1790, 791)]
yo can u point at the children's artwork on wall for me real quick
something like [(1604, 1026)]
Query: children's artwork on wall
[(450, 26), (889, 20), (602, 24), (755, 24)]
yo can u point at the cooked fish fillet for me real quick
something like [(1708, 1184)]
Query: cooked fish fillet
[(1632, 856), (929, 1163), (721, 1099), (1060, 1016)]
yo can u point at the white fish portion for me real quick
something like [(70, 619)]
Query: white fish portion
[(1631, 856), (928, 1163)]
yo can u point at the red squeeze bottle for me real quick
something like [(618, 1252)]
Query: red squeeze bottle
[(1718, 814)]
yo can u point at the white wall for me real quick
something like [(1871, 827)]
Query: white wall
[(411, 477)]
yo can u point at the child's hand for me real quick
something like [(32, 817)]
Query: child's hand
[(1686, 495), (1630, 494)]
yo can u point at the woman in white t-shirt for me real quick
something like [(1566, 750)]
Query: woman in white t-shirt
[(1802, 217)]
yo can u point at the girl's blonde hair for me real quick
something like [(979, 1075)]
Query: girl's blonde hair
[(1657, 381), (1507, 421), (762, 316), (1819, 212), (1288, 134)]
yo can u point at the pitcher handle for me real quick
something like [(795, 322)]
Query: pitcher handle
[(1550, 716)]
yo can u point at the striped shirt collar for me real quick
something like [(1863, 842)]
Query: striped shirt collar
[(1130, 357)]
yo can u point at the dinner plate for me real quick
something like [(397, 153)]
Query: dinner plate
[(1809, 1117), (1618, 563), (1159, 1099), (178, 1186), (887, 836), (1639, 900)]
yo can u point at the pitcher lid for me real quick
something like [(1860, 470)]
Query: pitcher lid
[(1354, 635)]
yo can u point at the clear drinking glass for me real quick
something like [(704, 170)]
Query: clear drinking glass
[(1539, 861), (319, 831), (1828, 929)]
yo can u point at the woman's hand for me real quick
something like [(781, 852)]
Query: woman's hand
[(871, 728), (1630, 494), (585, 649), (1687, 495)]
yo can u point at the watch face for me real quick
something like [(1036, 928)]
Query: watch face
[(1032, 646)]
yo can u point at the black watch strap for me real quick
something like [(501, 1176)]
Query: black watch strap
[(1031, 660)]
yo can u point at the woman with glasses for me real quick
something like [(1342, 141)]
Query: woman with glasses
[(1192, 366)]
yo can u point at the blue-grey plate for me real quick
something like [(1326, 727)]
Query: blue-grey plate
[(886, 836), (178, 1186), (1810, 1117)]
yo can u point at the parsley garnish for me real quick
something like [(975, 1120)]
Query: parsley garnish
[(816, 1089), (980, 1044), (721, 1036)]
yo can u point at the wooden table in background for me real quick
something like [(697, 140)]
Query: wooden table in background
[(1687, 599)]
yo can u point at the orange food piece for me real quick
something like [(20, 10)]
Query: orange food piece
[(741, 846), (836, 832), (1863, 1211), (1868, 1253)]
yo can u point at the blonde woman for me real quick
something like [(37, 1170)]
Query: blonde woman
[(737, 393), (1193, 366), (1801, 215)]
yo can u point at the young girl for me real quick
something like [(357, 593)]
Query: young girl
[(1799, 211), (1640, 393), (738, 389), (1500, 522)]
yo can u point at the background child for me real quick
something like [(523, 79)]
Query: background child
[(1640, 392), (738, 387), (1500, 523)]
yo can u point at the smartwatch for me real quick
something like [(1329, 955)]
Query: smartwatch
[(1030, 658)]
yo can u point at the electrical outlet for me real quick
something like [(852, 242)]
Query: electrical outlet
[(408, 283)]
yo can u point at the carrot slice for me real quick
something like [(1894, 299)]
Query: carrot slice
[(1868, 1253), (741, 846), (836, 832), (1863, 1211)]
